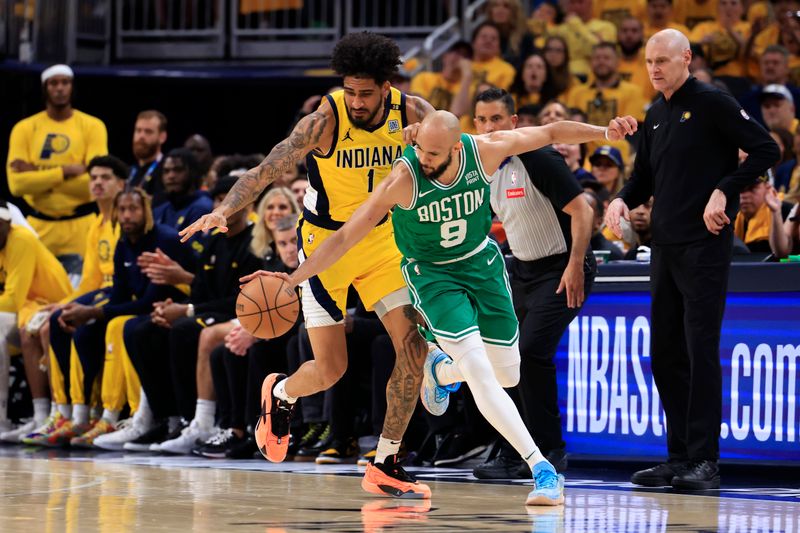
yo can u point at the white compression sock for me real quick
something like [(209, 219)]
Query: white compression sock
[(41, 408), (143, 414), (386, 447), (204, 412), (80, 414), (110, 416), (493, 402), (280, 392)]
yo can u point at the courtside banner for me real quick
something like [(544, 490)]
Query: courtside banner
[(609, 402)]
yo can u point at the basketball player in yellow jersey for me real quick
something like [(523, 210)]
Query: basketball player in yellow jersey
[(47, 157), (351, 142)]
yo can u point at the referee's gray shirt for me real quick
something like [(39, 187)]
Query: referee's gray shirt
[(528, 193)]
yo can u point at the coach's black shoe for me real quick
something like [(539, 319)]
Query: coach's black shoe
[(659, 475), (502, 466), (558, 458), (310, 452), (698, 475), (457, 448)]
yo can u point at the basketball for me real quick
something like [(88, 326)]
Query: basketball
[(267, 307)]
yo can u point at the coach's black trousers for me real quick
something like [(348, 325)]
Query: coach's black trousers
[(688, 283), (543, 317)]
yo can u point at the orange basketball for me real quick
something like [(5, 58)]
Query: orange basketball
[(267, 307)]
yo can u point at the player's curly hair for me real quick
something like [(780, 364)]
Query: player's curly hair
[(367, 55)]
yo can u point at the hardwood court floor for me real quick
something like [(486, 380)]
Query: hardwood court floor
[(55, 492)]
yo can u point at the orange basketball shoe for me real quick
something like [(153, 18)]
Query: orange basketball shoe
[(272, 428), (389, 479)]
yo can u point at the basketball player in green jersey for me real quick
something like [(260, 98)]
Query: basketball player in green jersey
[(456, 275)]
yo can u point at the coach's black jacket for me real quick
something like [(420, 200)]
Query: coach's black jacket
[(689, 147)]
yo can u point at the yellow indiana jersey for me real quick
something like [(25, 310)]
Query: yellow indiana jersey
[(358, 160), (615, 11), (29, 272), (49, 144), (98, 260)]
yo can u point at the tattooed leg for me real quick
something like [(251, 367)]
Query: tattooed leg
[(402, 391)]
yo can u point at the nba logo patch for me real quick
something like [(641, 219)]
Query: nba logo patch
[(686, 116), (416, 269), (310, 238), (394, 126), (513, 177), (744, 114)]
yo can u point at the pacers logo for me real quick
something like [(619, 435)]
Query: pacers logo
[(104, 250), (55, 143)]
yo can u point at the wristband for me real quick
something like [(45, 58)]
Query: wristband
[(606, 134), (190, 310)]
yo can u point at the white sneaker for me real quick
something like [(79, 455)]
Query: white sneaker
[(126, 431), (6, 425), (15, 435), (187, 440)]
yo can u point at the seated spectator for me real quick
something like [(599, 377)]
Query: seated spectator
[(754, 220), (659, 17), (783, 31), (632, 67), (598, 242), (773, 68), (275, 205), (784, 237), (574, 155), (298, 187), (516, 42), (149, 136), (617, 11), (691, 13), (608, 168), (184, 202), (528, 115), (556, 53), (782, 170), (553, 111), (486, 67), (31, 279), (640, 222), (582, 31), (532, 84), (724, 40), (778, 108), (201, 149), (544, 18), (439, 88)]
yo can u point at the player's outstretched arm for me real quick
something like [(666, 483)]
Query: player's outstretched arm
[(416, 109), (495, 147), (306, 136), (395, 189)]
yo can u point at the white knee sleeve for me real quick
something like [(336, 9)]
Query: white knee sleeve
[(505, 361)]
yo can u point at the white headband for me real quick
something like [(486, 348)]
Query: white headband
[(5, 214), (57, 70)]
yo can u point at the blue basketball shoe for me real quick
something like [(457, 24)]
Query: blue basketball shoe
[(549, 489), (435, 398)]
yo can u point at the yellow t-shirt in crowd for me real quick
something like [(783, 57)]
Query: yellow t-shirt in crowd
[(602, 105), (757, 226), (615, 11), (635, 71), (650, 30), (29, 274), (435, 89), (496, 72), (49, 144), (769, 36), (723, 53), (98, 260), (693, 12), (581, 37)]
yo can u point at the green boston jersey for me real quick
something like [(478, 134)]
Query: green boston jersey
[(444, 222)]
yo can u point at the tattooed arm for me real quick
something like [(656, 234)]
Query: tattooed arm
[(416, 109), (311, 133)]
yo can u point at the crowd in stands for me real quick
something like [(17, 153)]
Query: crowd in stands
[(128, 337)]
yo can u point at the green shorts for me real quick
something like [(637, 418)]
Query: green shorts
[(465, 296)]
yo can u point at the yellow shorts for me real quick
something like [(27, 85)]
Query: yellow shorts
[(63, 237), (372, 266)]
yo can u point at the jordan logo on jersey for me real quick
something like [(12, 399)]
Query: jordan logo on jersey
[(347, 136), (54, 143)]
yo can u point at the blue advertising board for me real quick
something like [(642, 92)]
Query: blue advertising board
[(610, 405)]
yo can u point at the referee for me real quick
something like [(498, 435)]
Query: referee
[(548, 223), (687, 160)]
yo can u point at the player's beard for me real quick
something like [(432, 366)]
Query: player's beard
[(362, 123), (437, 172)]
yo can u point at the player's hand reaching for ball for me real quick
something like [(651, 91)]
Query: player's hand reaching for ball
[(214, 219), (619, 127), (282, 275)]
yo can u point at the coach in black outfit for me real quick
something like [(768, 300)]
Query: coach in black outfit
[(548, 223), (687, 160)]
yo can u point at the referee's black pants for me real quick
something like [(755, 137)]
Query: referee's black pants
[(543, 317), (688, 283)]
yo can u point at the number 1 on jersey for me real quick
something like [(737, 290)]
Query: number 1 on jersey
[(370, 179)]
